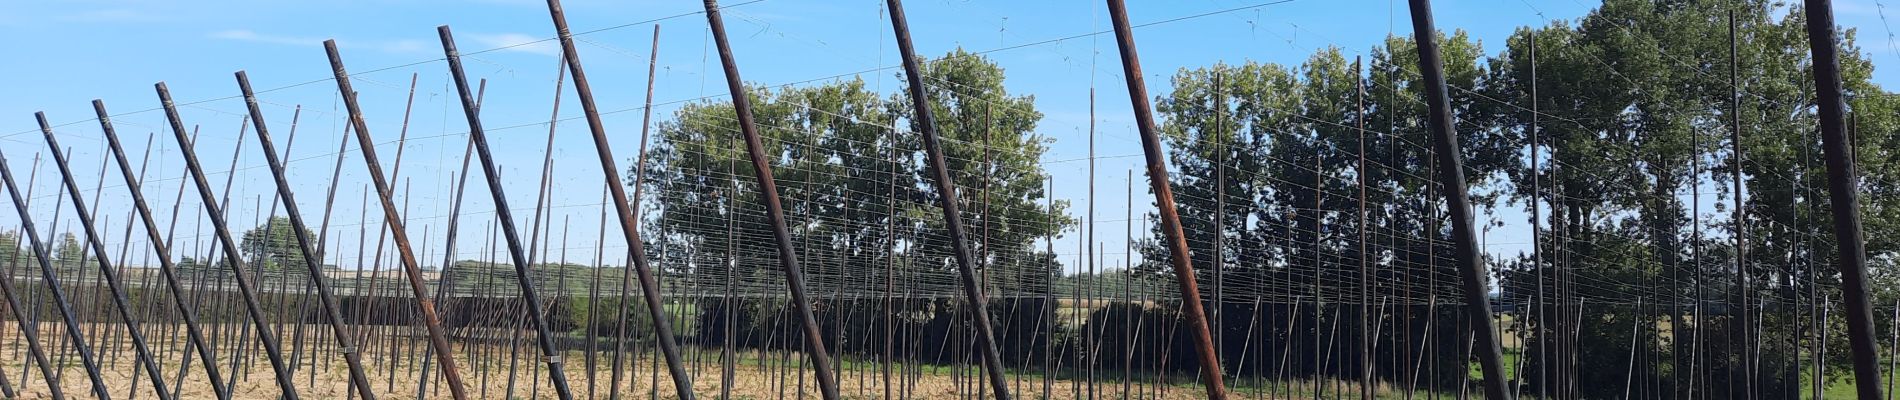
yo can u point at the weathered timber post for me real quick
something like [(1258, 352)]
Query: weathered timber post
[(106, 271), (775, 211), (216, 213), (947, 199), (1843, 193), (516, 251), (1451, 175), (1164, 202)]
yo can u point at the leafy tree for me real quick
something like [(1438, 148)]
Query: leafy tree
[(69, 252), (274, 244), (860, 206), (1636, 101), (9, 246)]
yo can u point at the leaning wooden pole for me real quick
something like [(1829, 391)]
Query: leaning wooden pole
[(1164, 202), (160, 247), (313, 259), (1843, 185), (344, 337), (106, 271), (947, 199), (768, 189), (51, 280), (626, 209), (1451, 176), (247, 291), (28, 330), (517, 252)]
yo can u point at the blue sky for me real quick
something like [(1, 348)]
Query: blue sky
[(64, 54)]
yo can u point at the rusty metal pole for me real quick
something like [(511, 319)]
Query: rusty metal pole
[(166, 268), (106, 271), (1164, 201), (1451, 175), (1843, 183), (516, 251), (51, 280), (947, 199), (312, 259), (216, 213), (788, 257)]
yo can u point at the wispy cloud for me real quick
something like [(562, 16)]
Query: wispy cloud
[(517, 42), (246, 35), (387, 46), (115, 15)]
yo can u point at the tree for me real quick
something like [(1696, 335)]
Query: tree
[(275, 245), (1636, 126), (859, 205), (9, 245), (69, 252)]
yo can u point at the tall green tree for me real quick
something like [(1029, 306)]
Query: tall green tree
[(69, 251), (274, 244), (860, 207)]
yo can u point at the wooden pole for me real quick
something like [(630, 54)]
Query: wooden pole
[(111, 276), (1843, 186), (1196, 317), (926, 122), (775, 212), (1451, 175), (516, 251), (246, 291)]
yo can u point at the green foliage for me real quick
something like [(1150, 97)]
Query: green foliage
[(69, 251), (275, 245), (856, 196), (9, 246), (1632, 126)]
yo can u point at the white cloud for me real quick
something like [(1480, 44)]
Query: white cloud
[(246, 35), (517, 42), (114, 15), (387, 46)]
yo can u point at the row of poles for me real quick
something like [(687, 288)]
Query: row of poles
[(1486, 339)]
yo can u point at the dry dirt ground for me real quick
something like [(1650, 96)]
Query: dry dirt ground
[(322, 374)]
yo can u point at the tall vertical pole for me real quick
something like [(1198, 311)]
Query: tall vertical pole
[(788, 257), (628, 212), (111, 276), (1365, 275), (1537, 238), (926, 122), (517, 254), (1164, 201), (1843, 191), (1220, 212), (626, 280), (1451, 175), (214, 211), (1741, 214)]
